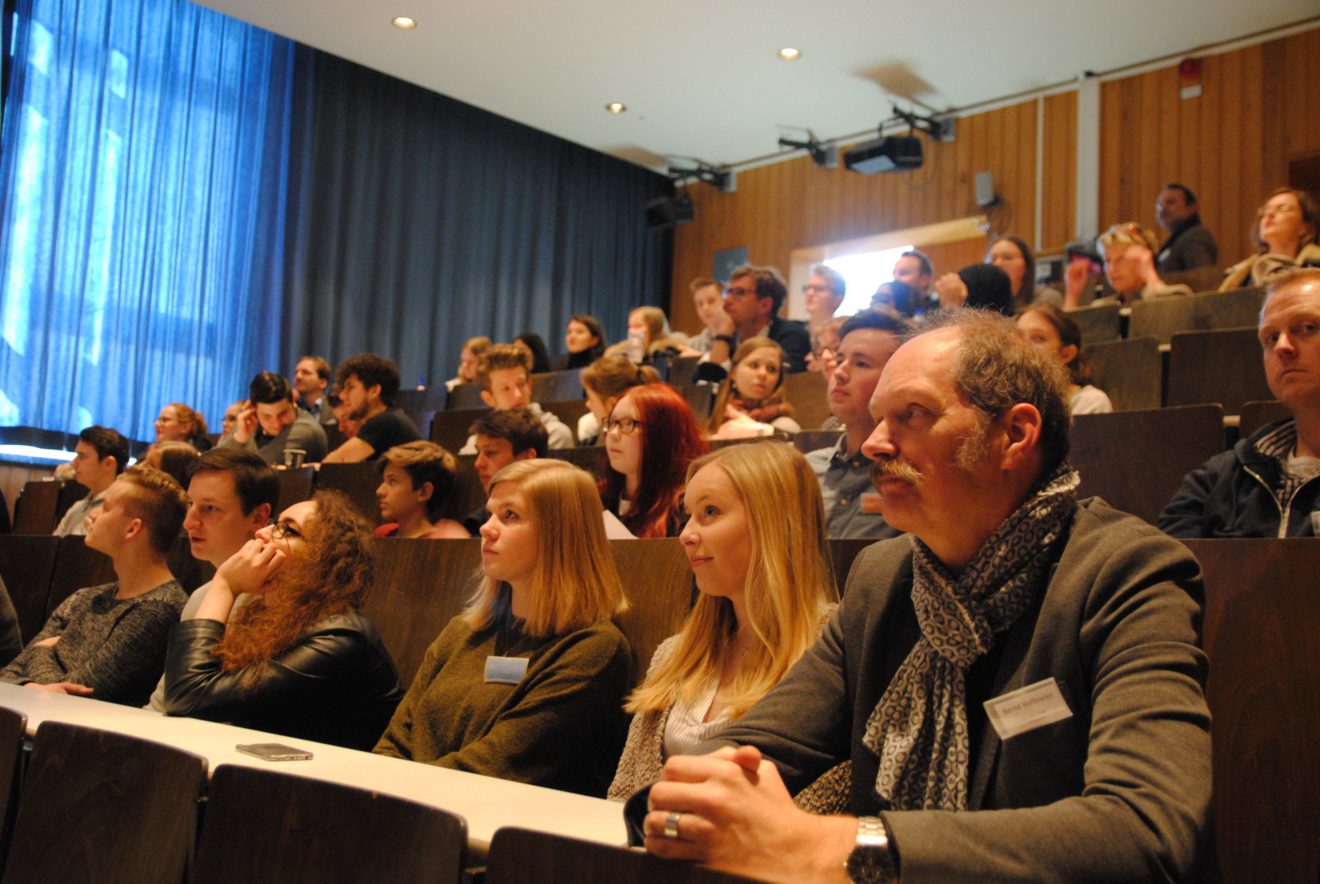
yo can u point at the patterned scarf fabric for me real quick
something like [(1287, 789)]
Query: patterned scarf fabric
[(919, 727), (762, 411)]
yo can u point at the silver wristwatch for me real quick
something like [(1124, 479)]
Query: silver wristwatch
[(872, 859)]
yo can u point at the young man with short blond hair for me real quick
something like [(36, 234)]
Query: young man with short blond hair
[(506, 377), (108, 641)]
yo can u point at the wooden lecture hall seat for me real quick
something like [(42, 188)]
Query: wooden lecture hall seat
[(106, 807), (266, 825), (521, 856)]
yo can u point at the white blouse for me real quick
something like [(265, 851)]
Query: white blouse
[(685, 729)]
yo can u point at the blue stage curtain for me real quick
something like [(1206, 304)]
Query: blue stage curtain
[(422, 221), (143, 220)]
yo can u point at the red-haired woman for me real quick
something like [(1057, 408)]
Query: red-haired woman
[(650, 438)]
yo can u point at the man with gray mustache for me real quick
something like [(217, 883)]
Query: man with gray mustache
[(1013, 691)]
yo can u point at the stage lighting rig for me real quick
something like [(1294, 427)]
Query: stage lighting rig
[(824, 155), (721, 177)]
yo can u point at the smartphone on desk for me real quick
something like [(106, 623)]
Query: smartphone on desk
[(273, 751)]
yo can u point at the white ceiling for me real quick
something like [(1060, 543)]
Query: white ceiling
[(701, 78)]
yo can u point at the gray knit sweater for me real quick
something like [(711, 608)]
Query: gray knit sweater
[(116, 647)]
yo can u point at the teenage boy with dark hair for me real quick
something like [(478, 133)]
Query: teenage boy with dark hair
[(109, 641), (270, 422), (415, 479), (100, 455), (503, 437), (852, 505), (368, 385)]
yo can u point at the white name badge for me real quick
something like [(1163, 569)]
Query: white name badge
[(1026, 709), (505, 670)]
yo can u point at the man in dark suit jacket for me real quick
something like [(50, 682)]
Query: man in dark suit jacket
[(1014, 691), (752, 302), (1190, 244)]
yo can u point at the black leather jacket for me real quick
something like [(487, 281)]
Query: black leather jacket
[(336, 685)]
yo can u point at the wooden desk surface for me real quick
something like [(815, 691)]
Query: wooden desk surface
[(486, 803)]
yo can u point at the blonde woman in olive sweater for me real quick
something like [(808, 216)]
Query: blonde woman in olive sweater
[(528, 683)]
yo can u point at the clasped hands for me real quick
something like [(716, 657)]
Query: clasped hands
[(734, 813)]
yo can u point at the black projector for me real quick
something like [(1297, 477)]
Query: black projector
[(894, 153)]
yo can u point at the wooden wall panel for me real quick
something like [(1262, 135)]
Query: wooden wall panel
[(791, 205), (1059, 172), (1258, 109)]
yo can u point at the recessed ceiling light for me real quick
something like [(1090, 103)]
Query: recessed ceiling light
[(404, 23), (616, 107), (788, 53)]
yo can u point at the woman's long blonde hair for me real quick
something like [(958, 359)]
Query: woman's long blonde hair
[(576, 582), (790, 578)]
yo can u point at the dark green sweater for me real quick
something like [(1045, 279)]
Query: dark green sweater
[(562, 726)]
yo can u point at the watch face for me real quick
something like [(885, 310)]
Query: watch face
[(870, 860)]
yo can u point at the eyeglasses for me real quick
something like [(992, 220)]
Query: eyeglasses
[(625, 425), (284, 528), (737, 291), (810, 287)]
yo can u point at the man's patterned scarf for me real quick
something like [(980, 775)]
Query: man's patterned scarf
[(919, 727)]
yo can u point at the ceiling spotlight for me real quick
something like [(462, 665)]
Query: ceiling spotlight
[(788, 53), (404, 23), (616, 107)]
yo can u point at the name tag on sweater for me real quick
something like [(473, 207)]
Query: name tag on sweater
[(505, 670), (1026, 709)]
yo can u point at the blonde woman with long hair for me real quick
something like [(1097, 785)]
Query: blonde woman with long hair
[(527, 683), (755, 537)]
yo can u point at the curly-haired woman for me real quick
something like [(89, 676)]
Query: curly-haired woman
[(298, 658)]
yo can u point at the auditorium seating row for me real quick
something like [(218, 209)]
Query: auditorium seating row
[(419, 585), (1260, 621), (1161, 318), (806, 391), (1166, 363), (1219, 365), (1133, 459)]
